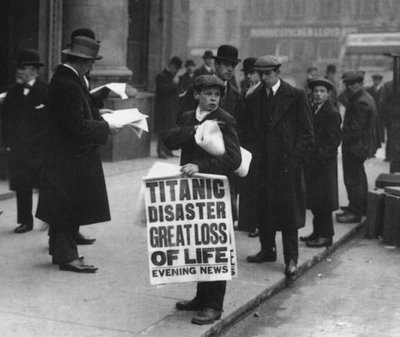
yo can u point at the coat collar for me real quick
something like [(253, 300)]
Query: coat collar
[(283, 100)]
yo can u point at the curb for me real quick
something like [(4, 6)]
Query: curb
[(229, 320)]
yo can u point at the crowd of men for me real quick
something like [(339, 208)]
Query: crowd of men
[(52, 134)]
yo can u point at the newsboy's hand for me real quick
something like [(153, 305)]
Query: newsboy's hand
[(190, 169)]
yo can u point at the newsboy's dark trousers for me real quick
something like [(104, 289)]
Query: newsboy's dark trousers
[(355, 181), (62, 245), (322, 223), (24, 206), (211, 294)]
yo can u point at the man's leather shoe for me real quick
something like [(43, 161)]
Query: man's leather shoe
[(348, 218), (262, 256), (80, 239), (310, 237), (291, 269), (78, 266), (23, 228), (207, 316), (319, 242), (255, 233), (192, 305)]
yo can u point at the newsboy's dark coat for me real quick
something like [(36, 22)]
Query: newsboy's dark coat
[(321, 170), (23, 122), (73, 190), (280, 143)]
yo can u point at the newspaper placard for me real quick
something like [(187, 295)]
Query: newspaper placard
[(189, 229)]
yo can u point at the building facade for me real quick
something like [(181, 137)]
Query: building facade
[(312, 32)]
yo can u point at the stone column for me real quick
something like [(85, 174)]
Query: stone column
[(109, 20)]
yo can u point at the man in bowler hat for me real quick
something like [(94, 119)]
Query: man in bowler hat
[(208, 66), (23, 122), (72, 180), (321, 171), (280, 137)]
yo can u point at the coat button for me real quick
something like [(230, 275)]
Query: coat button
[(285, 170), (284, 126)]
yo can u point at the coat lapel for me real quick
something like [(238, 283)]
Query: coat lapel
[(283, 101)]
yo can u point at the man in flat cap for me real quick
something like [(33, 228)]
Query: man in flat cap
[(321, 171), (280, 137), (360, 141), (23, 122), (72, 181)]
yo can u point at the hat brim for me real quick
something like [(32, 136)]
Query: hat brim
[(236, 61), (267, 68), (313, 84), (81, 55), (39, 64)]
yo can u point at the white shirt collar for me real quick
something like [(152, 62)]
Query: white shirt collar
[(72, 68), (209, 69), (276, 86), (201, 115)]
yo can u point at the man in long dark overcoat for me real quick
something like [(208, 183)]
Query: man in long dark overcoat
[(166, 103), (23, 122), (360, 142), (279, 123), (321, 171), (73, 190)]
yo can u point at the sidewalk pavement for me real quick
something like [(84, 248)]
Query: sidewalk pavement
[(36, 299)]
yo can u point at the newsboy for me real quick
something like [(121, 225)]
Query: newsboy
[(321, 170), (23, 122), (72, 181), (280, 137)]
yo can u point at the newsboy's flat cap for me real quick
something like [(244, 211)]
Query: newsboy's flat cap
[(320, 81), (204, 81), (267, 62), (353, 76)]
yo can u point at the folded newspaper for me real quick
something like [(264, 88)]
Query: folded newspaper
[(131, 118), (118, 88)]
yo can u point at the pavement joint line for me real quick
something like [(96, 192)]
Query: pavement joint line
[(239, 313), (154, 325), (66, 322)]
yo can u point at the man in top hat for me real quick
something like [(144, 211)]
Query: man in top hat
[(166, 103), (248, 219), (208, 66), (375, 91), (280, 136), (23, 122), (72, 180), (321, 171), (360, 141), (186, 80)]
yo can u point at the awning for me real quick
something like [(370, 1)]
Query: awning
[(379, 43)]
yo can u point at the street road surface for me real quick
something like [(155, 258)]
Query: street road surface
[(353, 293)]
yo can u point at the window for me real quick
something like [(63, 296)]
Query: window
[(230, 24), (329, 8), (209, 21), (328, 49), (296, 8)]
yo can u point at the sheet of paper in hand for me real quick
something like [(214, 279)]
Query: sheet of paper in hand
[(131, 118), (118, 88), (189, 228)]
